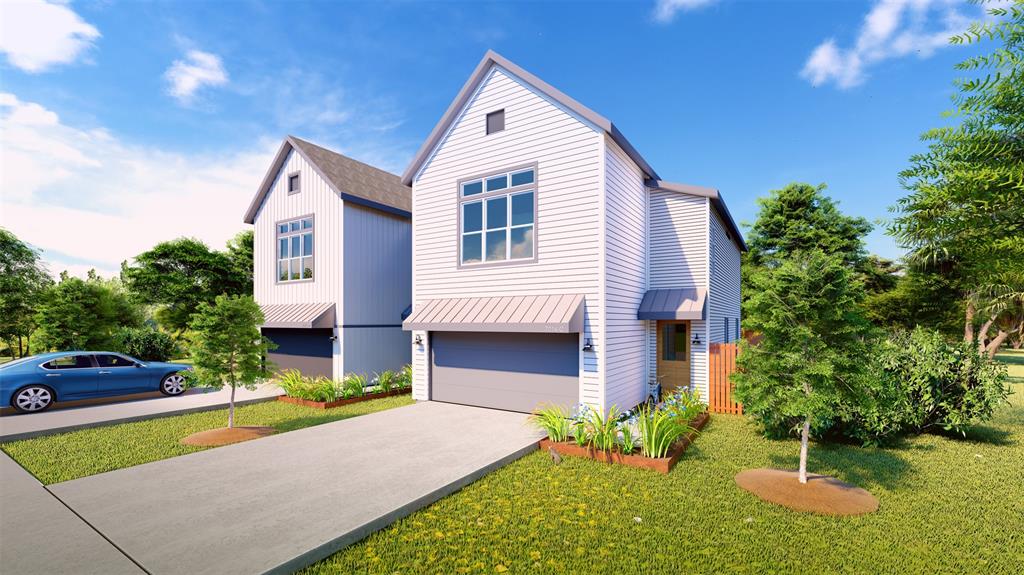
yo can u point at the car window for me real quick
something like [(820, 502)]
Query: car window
[(68, 362), (110, 360)]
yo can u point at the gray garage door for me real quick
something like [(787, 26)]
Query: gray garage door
[(307, 350), (512, 371)]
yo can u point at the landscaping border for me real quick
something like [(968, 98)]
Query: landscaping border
[(340, 402), (661, 464)]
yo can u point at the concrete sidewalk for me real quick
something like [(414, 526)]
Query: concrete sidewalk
[(39, 535), (14, 427), (277, 504)]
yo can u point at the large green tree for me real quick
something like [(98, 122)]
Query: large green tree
[(22, 279), (965, 206), (801, 217), (181, 274), (809, 363), (240, 252), (227, 346), (83, 314)]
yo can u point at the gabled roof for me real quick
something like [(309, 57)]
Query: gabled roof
[(352, 180), (716, 201), (491, 59)]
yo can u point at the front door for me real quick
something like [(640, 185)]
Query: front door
[(673, 354)]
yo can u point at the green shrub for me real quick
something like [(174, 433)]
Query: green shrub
[(404, 380), (145, 343), (685, 404), (296, 385), (658, 430), (603, 429), (580, 429), (923, 382), (386, 381), (354, 385), (628, 436), (553, 420)]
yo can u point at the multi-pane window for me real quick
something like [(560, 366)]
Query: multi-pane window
[(295, 250), (497, 217)]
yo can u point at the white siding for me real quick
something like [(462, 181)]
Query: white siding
[(625, 256), (317, 199), (378, 287), (569, 156), (724, 295), (679, 258), (420, 366)]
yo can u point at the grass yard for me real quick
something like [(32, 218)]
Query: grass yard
[(67, 456), (948, 506)]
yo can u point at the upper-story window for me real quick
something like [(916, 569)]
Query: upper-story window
[(293, 183), (497, 217), (496, 121), (295, 250)]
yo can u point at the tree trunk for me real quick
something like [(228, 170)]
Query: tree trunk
[(995, 344), (803, 450), (231, 408), (969, 322), (983, 333)]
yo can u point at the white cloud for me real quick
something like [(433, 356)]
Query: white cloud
[(892, 29), (36, 35), (666, 10), (83, 196), (198, 69)]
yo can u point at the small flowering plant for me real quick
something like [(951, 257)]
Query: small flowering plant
[(580, 432), (627, 425), (684, 404)]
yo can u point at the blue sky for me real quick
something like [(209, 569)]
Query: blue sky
[(127, 123)]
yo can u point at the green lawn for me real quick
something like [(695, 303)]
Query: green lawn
[(77, 454), (947, 506)]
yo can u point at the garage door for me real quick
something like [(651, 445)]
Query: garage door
[(512, 371), (307, 350)]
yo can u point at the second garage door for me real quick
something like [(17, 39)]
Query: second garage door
[(511, 371)]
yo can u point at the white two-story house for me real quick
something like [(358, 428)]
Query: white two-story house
[(332, 262), (551, 264)]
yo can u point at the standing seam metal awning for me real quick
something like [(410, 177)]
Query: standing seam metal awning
[(298, 315), (680, 303), (537, 314)]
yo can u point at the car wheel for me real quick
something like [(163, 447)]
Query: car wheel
[(172, 384), (32, 399)]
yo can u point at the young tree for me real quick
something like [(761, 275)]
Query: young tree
[(809, 361), (179, 275), (227, 346), (83, 314), (966, 200), (22, 279)]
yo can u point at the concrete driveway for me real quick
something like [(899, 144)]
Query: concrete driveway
[(276, 504)]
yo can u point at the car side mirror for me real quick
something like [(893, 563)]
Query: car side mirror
[(140, 365)]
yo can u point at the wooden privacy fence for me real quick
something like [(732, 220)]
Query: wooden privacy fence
[(721, 364)]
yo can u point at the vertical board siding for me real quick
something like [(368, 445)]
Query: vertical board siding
[(724, 292), (318, 199), (569, 157), (373, 350), (378, 266), (625, 279), (678, 258)]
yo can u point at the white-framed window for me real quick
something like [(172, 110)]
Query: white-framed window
[(498, 217), (295, 250)]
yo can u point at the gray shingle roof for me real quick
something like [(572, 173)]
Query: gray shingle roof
[(351, 179)]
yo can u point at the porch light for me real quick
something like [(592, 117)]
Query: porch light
[(696, 338), (589, 346), (418, 340)]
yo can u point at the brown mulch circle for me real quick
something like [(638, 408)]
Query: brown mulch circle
[(821, 494), (227, 435)]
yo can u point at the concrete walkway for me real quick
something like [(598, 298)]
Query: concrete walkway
[(23, 426), (39, 535), (279, 503)]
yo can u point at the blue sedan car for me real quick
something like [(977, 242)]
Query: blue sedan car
[(32, 384)]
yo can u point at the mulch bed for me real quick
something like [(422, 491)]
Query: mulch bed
[(660, 464), (340, 402), (821, 494), (227, 435)]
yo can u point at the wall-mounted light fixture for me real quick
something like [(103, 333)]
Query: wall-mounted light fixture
[(334, 338), (696, 338), (589, 346), (418, 340)]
